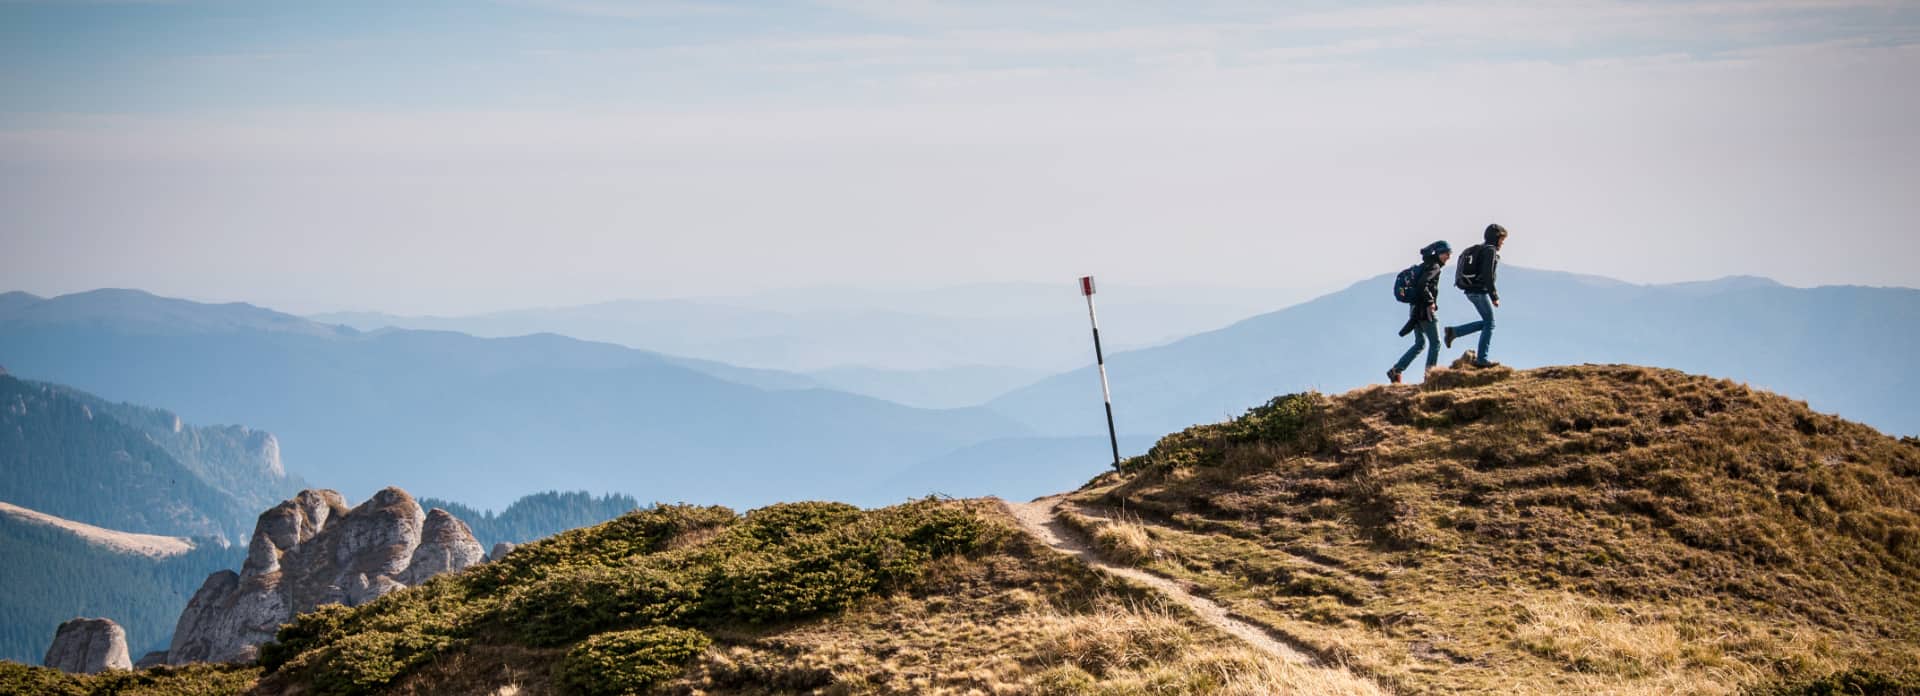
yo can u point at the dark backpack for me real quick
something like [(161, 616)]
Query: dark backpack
[(1403, 283), (1473, 265)]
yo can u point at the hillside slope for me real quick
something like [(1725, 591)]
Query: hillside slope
[(70, 454), (931, 597), (1572, 529), (1598, 529), (153, 546)]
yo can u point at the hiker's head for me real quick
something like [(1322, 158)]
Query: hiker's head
[(1496, 235), (1437, 251)]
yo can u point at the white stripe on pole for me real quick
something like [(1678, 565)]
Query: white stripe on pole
[(1100, 359)]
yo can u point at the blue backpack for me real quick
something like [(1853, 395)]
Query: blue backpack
[(1403, 283)]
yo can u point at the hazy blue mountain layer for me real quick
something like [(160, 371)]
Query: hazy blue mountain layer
[(1845, 350), (939, 387), (479, 420), (51, 576), (1021, 327), (1019, 469), (74, 455)]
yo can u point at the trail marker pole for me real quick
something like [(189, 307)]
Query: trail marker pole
[(1106, 394)]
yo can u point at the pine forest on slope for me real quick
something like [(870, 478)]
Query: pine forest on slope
[(71, 454), (52, 575)]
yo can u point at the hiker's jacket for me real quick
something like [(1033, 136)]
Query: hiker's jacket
[(1426, 295), (1426, 290), (1484, 283)]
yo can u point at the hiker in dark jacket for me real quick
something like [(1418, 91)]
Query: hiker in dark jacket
[(1422, 308), (1475, 275)]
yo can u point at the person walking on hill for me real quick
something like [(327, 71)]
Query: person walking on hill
[(1419, 287), (1475, 276)]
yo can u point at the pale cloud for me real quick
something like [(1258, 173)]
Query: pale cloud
[(963, 145)]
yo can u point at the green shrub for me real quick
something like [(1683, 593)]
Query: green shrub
[(805, 576), (188, 680), (629, 662), (614, 543), (361, 663), (16, 678), (323, 625), (1291, 419), (775, 524), (827, 556), (191, 680), (941, 531), (567, 607)]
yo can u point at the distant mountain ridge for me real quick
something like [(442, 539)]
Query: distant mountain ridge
[(1019, 326), (1841, 348), (477, 420)]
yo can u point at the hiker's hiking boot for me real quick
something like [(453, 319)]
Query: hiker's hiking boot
[(1486, 363), (1450, 337), (1393, 376)]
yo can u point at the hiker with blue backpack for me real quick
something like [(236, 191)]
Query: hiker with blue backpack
[(1419, 288), (1475, 276)]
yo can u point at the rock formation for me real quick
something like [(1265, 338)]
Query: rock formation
[(501, 549), (312, 550), (88, 646)]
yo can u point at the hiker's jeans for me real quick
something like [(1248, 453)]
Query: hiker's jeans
[(1485, 326), (1426, 334)]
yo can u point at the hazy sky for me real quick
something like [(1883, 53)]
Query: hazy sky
[(460, 156)]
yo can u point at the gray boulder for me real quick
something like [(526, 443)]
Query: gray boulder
[(446, 544), (501, 549), (309, 551), (88, 646)]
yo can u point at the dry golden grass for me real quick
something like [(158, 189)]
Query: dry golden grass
[(1600, 529), (1022, 621), (1122, 540)]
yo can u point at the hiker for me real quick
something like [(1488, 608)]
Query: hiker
[(1419, 287), (1475, 275)]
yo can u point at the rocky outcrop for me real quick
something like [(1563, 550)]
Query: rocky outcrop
[(445, 544), (152, 659), (88, 646), (312, 550), (501, 549)]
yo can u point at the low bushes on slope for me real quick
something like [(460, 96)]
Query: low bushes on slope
[(192, 680), (929, 598), (671, 568)]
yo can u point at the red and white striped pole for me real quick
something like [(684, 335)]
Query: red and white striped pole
[(1106, 394)]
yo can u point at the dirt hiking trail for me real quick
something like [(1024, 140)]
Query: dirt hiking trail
[(1040, 520)]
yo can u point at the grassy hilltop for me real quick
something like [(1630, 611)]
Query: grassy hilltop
[(1579, 529), (1563, 530)]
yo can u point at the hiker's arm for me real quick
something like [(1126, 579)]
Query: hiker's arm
[(1493, 278)]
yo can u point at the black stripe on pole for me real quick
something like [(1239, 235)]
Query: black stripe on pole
[(1100, 359), (1111, 439)]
